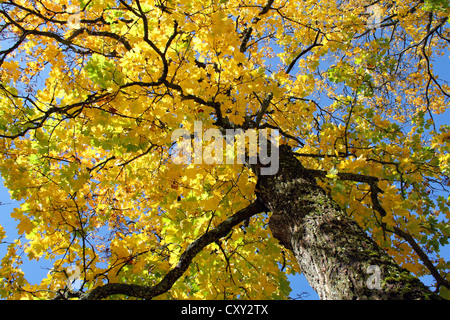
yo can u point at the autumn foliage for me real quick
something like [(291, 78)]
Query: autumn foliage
[(91, 91)]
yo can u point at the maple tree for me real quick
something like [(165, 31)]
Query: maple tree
[(92, 90)]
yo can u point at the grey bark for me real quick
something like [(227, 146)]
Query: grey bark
[(339, 260)]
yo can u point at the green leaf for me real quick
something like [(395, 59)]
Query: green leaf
[(436, 5), (132, 148), (34, 159), (444, 292), (103, 71)]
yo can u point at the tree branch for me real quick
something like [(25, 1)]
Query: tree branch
[(264, 106), (374, 191), (301, 54), (248, 31), (186, 258), (440, 281)]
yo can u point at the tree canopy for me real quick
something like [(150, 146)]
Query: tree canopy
[(91, 92)]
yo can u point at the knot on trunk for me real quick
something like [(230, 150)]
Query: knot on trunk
[(279, 226)]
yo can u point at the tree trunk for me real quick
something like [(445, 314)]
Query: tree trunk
[(339, 260)]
